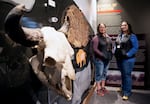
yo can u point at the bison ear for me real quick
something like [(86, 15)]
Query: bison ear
[(49, 61)]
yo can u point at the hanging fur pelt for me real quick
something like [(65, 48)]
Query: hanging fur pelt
[(79, 28)]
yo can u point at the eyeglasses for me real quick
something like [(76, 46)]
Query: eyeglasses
[(123, 25), (102, 27)]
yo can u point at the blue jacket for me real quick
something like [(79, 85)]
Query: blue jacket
[(126, 47), (135, 45)]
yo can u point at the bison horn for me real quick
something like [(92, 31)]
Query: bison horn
[(15, 31)]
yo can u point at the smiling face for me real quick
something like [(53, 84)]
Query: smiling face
[(124, 27), (102, 28)]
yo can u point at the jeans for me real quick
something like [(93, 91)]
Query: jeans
[(101, 68), (126, 67)]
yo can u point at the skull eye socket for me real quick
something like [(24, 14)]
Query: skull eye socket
[(50, 61)]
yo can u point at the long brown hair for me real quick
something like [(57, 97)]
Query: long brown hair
[(98, 32), (130, 31)]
